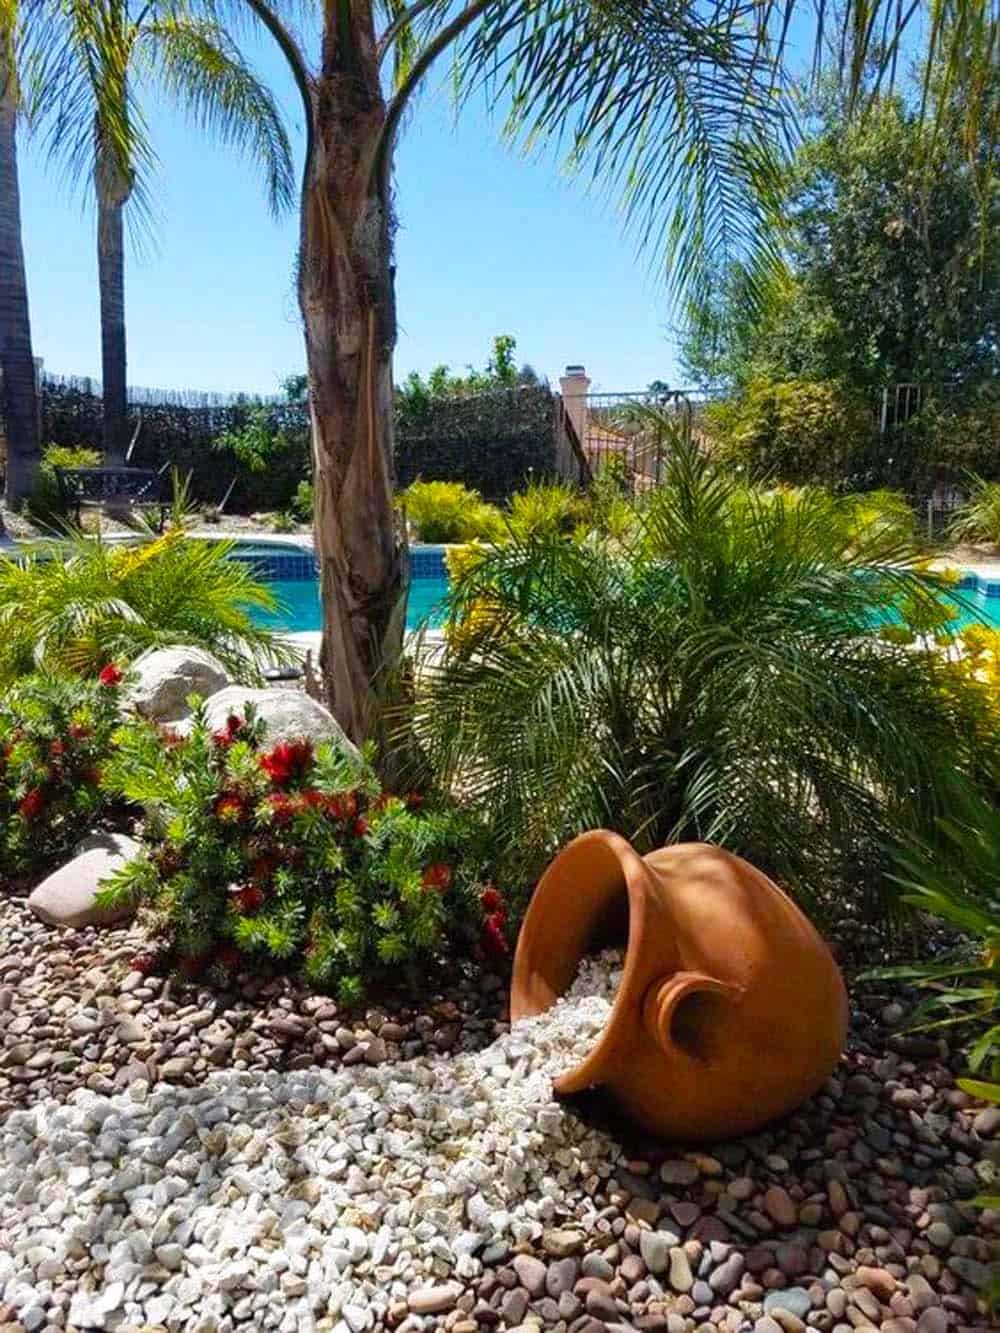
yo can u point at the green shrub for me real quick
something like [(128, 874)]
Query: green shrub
[(965, 893), (881, 514), (978, 519), (715, 677), (791, 430), (303, 500), (544, 509), (46, 502), (54, 736), (447, 511), (79, 603), (963, 988), (257, 443), (295, 857), (283, 521)]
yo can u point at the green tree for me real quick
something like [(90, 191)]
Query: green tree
[(107, 50), (893, 245), (20, 400)]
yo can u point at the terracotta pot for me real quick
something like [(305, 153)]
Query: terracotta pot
[(731, 1010)]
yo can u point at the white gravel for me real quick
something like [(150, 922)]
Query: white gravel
[(295, 1200)]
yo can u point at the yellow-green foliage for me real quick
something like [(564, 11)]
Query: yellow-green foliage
[(978, 520), (881, 515), (795, 430), (75, 605), (545, 509), (45, 502), (447, 511), (462, 627)]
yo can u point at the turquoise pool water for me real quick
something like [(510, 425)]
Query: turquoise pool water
[(291, 573), (301, 608), (975, 608)]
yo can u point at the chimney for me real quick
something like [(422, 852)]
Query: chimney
[(573, 386)]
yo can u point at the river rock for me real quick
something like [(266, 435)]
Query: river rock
[(163, 678), (287, 715), (67, 897)]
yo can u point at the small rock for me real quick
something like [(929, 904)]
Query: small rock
[(434, 1300), (655, 1246), (531, 1273), (678, 1172), (562, 1242), (795, 1300), (779, 1206)]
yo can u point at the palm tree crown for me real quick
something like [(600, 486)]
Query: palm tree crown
[(102, 54)]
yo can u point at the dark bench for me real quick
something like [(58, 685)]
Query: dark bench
[(138, 487)]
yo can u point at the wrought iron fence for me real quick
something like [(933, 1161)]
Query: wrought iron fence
[(635, 432)]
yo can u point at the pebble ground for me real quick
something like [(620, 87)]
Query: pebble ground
[(853, 1214)]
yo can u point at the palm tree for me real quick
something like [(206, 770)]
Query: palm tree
[(679, 105), (107, 48), (17, 362)]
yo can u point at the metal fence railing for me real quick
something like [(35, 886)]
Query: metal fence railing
[(634, 432)]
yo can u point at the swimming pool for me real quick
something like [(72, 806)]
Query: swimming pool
[(291, 573)]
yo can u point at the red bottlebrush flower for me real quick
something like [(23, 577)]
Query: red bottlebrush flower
[(414, 800), (494, 940), (283, 808), (79, 731), (313, 799), (491, 899), (144, 963), (170, 738), (229, 808), (264, 866), (111, 676), (290, 759), (229, 957), (361, 826), (32, 805), (249, 899), (57, 749), (438, 876), (230, 732), (342, 805)]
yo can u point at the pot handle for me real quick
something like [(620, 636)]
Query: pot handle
[(674, 1018)]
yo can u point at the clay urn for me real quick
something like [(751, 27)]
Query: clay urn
[(731, 1010)]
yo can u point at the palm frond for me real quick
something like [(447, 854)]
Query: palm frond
[(715, 674), (678, 111), (95, 127), (78, 602), (202, 68)]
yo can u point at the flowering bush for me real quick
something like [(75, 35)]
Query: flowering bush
[(54, 735), (294, 855)]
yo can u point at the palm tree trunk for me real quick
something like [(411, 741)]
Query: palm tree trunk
[(20, 394), (111, 199), (348, 309)]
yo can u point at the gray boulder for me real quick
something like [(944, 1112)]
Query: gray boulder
[(164, 677), (288, 715), (66, 897)]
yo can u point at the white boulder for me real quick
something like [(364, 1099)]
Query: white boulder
[(164, 677), (67, 896), (288, 715)]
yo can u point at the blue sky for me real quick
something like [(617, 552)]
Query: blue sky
[(488, 243)]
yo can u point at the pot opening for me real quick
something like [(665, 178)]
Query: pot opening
[(608, 928), (581, 908), (696, 1022)]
